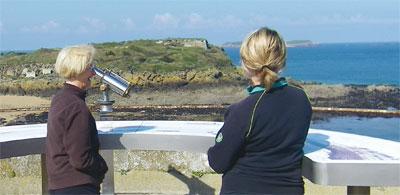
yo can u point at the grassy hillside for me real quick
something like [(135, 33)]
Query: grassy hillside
[(44, 56), (141, 55), (169, 62), (169, 56)]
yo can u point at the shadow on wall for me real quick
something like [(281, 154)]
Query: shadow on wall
[(127, 129), (195, 185)]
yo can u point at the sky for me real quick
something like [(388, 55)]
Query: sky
[(35, 24)]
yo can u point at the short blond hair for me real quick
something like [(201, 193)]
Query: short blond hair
[(74, 60), (264, 51)]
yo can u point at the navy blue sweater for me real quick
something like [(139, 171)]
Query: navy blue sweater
[(259, 149)]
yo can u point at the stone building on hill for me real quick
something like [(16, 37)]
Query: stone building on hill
[(203, 43)]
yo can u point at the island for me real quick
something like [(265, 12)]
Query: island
[(292, 43), (301, 43)]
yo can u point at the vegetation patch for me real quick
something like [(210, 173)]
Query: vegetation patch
[(146, 63)]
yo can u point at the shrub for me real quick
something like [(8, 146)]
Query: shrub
[(167, 59), (125, 53), (110, 53)]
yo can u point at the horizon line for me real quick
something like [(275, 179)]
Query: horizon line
[(220, 45)]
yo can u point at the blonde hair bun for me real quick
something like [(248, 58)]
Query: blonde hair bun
[(264, 51)]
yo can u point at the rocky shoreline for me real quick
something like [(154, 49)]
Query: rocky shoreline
[(175, 101)]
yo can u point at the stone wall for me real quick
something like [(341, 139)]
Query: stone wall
[(26, 70), (147, 172), (160, 172), (185, 43), (124, 161)]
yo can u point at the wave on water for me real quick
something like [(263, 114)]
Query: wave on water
[(341, 63)]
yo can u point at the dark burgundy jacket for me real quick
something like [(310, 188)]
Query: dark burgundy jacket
[(72, 144)]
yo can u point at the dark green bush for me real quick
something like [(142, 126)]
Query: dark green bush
[(110, 53), (167, 59)]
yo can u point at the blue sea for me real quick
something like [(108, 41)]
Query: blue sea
[(341, 63)]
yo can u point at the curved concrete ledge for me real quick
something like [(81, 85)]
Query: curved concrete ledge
[(331, 158)]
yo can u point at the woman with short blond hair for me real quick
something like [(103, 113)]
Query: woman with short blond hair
[(259, 149), (73, 162)]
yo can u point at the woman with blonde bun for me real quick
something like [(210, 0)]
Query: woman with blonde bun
[(74, 165), (259, 149)]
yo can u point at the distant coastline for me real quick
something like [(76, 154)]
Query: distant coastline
[(293, 43), (16, 51), (301, 43)]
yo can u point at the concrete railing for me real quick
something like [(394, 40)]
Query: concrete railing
[(331, 158)]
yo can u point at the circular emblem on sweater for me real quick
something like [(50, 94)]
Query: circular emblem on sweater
[(219, 137)]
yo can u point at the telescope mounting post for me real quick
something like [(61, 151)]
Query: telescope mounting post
[(106, 114), (106, 110)]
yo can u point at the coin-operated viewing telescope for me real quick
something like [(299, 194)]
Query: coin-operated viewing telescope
[(110, 80)]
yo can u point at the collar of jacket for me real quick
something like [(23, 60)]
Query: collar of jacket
[(75, 90), (281, 82)]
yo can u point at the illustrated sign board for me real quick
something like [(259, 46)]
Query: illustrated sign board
[(331, 158)]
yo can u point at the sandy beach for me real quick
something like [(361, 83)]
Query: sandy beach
[(12, 101), (8, 104)]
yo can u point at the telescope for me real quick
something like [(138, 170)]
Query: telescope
[(118, 84)]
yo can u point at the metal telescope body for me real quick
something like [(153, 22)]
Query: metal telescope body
[(116, 83)]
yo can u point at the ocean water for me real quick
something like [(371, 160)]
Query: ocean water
[(341, 63), (379, 127)]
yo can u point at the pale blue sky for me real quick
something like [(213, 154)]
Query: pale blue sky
[(35, 24)]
